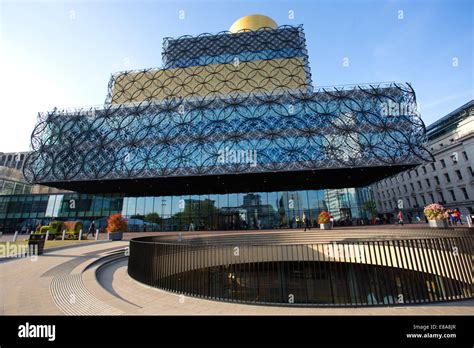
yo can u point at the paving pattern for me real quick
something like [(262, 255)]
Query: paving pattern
[(93, 280), (72, 297)]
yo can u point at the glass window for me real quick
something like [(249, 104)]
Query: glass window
[(125, 207), (140, 208), (50, 212), (193, 210), (18, 188), (85, 205), (131, 206), (436, 180), (415, 200), (464, 192), (428, 183), (441, 196), (70, 205), (96, 205), (464, 154), (443, 163), (27, 205), (42, 204), (448, 179), (453, 196), (423, 199), (211, 211), (172, 205), (283, 210), (3, 206), (8, 188), (149, 205), (116, 204), (459, 175), (106, 201)]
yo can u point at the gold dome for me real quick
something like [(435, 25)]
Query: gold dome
[(252, 22)]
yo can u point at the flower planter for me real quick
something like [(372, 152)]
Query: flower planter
[(115, 235), (326, 226), (438, 223)]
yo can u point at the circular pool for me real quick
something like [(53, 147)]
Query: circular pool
[(334, 268)]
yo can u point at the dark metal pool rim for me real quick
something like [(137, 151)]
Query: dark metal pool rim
[(330, 269)]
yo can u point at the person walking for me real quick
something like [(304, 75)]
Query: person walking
[(306, 222), (331, 219), (92, 228), (400, 217), (451, 217), (457, 216)]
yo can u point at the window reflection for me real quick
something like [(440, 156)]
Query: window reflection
[(233, 211)]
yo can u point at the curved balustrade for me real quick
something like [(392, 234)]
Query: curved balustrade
[(310, 268)]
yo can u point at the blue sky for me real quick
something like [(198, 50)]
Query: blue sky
[(62, 54)]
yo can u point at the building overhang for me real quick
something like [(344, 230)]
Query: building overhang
[(234, 183)]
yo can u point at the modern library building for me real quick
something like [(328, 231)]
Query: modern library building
[(229, 133)]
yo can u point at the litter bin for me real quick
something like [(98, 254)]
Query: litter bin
[(37, 239)]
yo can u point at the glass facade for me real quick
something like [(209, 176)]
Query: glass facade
[(232, 211), (227, 104), (231, 112), (11, 187)]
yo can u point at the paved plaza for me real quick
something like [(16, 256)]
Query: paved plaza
[(92, 279)]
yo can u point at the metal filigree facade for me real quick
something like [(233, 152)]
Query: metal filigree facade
[(207, 113), (207, 65)]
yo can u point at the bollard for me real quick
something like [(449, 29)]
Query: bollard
[(47, 235), (97, 234), (64, 234), (31, 231), (15, 236), (80, 234)]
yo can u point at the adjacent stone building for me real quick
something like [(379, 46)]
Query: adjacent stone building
[(448, 180)]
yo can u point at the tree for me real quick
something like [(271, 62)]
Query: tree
[(153, 217), (137, 216), (371, 208), (116, 223)]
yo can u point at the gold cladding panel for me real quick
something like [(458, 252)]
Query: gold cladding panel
[(214, 79)]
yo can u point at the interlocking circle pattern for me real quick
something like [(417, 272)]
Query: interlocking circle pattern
[(264, 106)]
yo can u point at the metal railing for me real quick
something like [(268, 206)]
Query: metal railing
[(313, 273)]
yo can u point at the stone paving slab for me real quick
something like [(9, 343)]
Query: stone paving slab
[(156, 301), (42, 287)]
